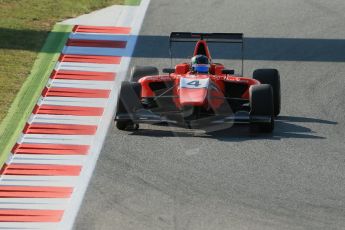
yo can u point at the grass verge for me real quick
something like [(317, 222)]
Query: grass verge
[(26, 99), (24, 27), (132, 2)]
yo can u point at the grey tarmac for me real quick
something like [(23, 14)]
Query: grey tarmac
[(170, 178)]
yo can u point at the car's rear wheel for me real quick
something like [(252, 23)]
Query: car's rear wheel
[(128, 103), (261, 105), (271, 77), (138, 72)]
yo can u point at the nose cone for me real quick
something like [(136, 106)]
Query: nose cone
[(193, 91)]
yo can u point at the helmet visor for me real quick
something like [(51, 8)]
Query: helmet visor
[(201, 68)]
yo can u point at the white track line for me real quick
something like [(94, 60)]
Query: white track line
[(80, 66), (58, 139), (64, 119), (94, 51), (65, 181), (34, 203), (72, 101), (103, 37), (81, 84), (29, 225), (48, 159)]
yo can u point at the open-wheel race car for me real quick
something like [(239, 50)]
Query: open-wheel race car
[(200, 94)]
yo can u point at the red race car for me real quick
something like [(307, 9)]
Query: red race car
[(200, 94)]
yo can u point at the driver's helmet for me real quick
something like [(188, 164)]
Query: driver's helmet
[(200, 64)]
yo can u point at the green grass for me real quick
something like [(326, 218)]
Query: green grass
[(24, 28), (132, 2), (26, 99)]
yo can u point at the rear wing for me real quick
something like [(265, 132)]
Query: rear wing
[(209, 38)]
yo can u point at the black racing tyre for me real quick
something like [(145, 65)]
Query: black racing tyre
[(122, 125), (271, 77), (261, 104), (128, 103), (126, 125), (141, 71)]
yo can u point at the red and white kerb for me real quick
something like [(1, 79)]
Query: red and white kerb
[(39, 178)]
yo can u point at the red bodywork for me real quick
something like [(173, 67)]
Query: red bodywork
[(200, 90)]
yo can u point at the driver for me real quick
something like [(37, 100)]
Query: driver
[(200, 64)]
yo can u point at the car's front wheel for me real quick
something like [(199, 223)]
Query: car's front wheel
[(128, 103), (126, 125), (261, 106), (271, 77)]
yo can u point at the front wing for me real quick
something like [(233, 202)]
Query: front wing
[(149, 117)]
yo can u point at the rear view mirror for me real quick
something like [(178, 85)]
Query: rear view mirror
[(228, 71), (168, 70)]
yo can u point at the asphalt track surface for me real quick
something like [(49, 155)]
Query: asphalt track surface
[(170, 178)]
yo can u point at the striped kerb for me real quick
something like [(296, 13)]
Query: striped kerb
[(101, 29), (68, 110), (35, 192), (20, 215), (39, 128), (96, 43), (59, 149), (41, 175), (90, 59), (41, 170), (83, 75), (75, 92)]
